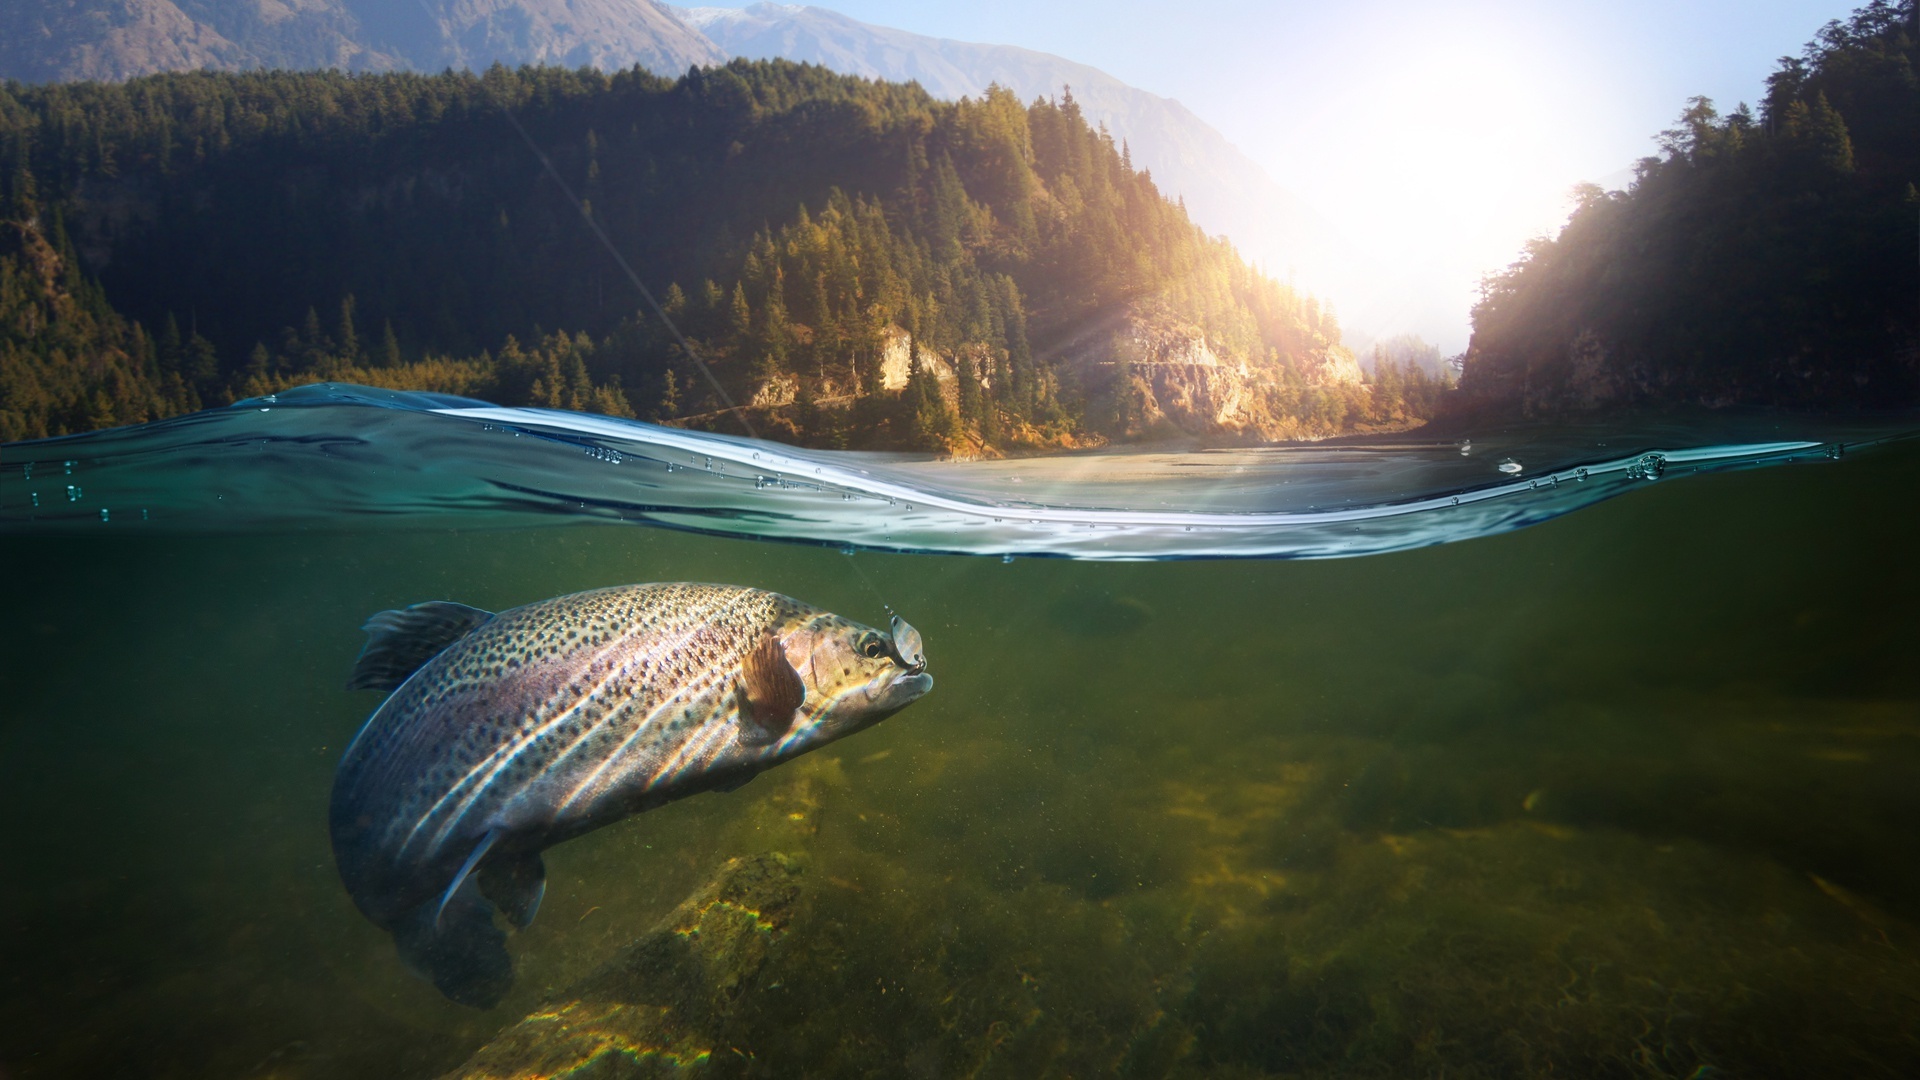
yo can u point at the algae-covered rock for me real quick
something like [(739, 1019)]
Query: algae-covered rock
[(662, 1003)]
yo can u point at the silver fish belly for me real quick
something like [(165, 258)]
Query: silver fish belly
[(506, 734)]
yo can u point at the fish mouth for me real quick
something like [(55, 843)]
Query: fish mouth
[(902, 690)]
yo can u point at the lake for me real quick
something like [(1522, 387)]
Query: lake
[(1626, 792)]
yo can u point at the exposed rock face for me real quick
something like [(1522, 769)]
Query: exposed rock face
[(899, 352), (777, 391), (1162, 378), (607, 34), (45, 40), (105, 39), (1158, 343), (1336, 366)]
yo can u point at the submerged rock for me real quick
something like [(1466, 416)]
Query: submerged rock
[(662, 1003)]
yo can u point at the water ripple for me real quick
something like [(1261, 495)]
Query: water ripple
[(339, 457)]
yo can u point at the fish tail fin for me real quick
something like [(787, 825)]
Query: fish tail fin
[(455, 945)]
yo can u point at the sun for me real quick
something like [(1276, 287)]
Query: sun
[(1448, 152)]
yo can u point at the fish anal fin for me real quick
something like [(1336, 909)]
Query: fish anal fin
[(399, 641), (736, 783), (772, 693), (516, 884), (479, 852)]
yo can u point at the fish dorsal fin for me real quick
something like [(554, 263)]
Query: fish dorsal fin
[(398, 642), (772, 693)]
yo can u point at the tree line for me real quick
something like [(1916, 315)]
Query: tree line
[(1762, 259), (258, 230)]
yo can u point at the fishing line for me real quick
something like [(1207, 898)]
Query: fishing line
[(605, 241), (866, 580)]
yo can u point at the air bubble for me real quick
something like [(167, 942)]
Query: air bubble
[(1648, 467), (1006, 558), (1466, 447), (846, 549), (73, 493), (103, 513), (1510, 466)]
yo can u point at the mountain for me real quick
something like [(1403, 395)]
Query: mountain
[(1759, 260), (65, 40), (1225, 191), (853, 262)]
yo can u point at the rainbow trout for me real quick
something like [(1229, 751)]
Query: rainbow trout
[(508, 733)]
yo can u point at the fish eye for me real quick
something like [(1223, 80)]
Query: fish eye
[(872, 647)]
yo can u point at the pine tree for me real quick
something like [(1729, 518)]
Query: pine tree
[(740, 315), (389, 345), (201, 366), (776, 332), (172, 352), (669, 404), (346, 340)]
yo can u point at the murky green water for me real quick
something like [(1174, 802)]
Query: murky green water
[(1630, 793)]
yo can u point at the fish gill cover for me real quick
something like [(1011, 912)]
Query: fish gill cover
[(349, 457)]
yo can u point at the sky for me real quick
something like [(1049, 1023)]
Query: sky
[(1438, 137)]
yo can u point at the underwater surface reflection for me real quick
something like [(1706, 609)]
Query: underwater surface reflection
[(1626, 793)]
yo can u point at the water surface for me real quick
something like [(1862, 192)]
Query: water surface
[(1626, 793)]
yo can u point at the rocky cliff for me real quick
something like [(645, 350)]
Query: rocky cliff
[(1152, 376), (57, 40)]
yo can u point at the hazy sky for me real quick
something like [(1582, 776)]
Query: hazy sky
[(1438, 136)]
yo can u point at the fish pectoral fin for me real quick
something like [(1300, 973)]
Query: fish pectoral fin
[(736, 783), (473, 860), (399, 642), (771, 693), (516, 884)]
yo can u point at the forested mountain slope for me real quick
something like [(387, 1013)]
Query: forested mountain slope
[(862, 264), (1761, 259), (1224, 190)]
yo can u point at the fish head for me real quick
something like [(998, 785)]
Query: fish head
[(855, 675)]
